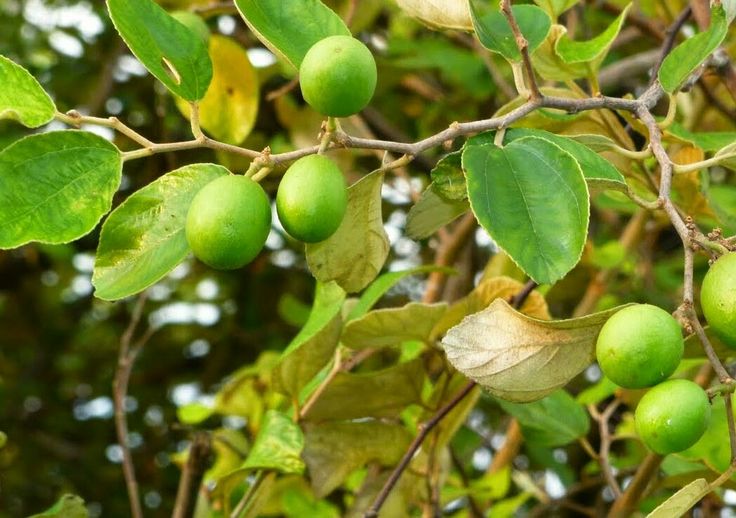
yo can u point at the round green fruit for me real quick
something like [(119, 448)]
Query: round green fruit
[(338, 76), (672, 416), (639, 346), (228, 222), (718, 298), (312, 199)]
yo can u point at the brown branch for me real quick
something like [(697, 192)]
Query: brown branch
[(424, 429), (126, 358), (623, 506), (191, 475), (605, 447), (510, 449), (523, 45), (446, 255)]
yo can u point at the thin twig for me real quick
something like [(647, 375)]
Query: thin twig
[(523, 45), (669, 40), (605, 446), (126, 358), (191, 475), (424, 429)]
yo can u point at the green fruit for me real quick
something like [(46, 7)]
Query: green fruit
[(639, 346), (228, 222), (718, 298), (194, 23), (672, 416), (312, 199), (338, 76)]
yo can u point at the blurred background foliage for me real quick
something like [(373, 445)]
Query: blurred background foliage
[(58, 344)]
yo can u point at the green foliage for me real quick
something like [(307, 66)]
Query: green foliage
[(143, 238), (22, 98), (68, 506), (687, 56), (433, 211), (273, 21), (391, 326), (512, 204), (278, 445), (172, 52), (46, 186), (494, 32)]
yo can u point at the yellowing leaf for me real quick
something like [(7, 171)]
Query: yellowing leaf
[(681, 502), (391, 326), (230, 106), (519, 358), (444, 14)]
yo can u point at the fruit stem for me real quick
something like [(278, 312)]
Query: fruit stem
[(194, 121), (330, 128)]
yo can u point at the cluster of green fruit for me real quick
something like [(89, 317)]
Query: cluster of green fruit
[(229, 219), (642, 345)]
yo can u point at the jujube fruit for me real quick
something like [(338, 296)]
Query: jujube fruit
[(338, 76), (639, 346), (672, 416), (228, 222), (312, 199), (718, 298)]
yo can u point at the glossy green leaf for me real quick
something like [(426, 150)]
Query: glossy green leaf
[(554, 8), (592, 52), (68, 506), (272, 21), (385, 282), (708, 141), (354, 255), (314, 345), (519, 358), (432, 212), (55, 187), (230, 107), (22, 98), (509, 190), (172, 52), (448, 179), (143, 239), (278, 445), (334, 450), (688, 55), (495, 34), (391, 326), (555, 420), (380, 394), (682, 501), (597, 170)]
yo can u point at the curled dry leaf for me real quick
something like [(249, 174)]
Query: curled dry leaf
[(520, 358), (442, 14)]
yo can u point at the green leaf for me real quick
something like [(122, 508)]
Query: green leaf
[(172, 52), (555, 8), (555, 420), (681, 502), (143, 239), (591, 52), (509, 190), (432, 212), (688, 55), (391, 326), (596, 169), (519, 358), (334, 450), (68, 506), (708, 141), (711, 448), (272, 21), (380, 394), (494, 31), (385, 282), (354, 255), (22, 98), (193, 413), (229, 109), (278, 445), (448, 178), (55, 187), (313, 347), (298, 504)]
